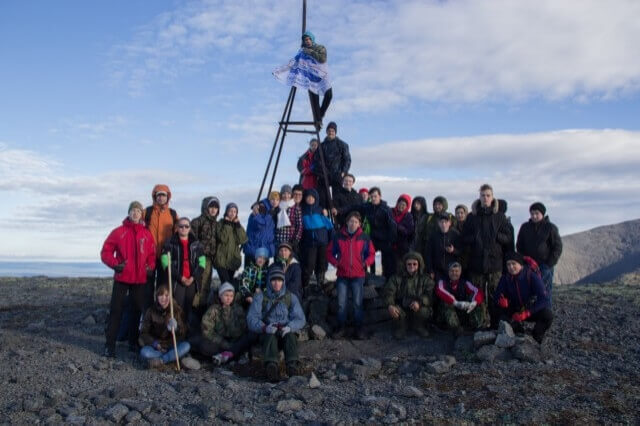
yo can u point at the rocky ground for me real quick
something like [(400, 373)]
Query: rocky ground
[(587, 371)]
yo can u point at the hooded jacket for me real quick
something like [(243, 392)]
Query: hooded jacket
[(383, 227), (154, 326), (524, 291), (196, 258), (419, 216), (160, 220), (231, 235), (316, 227), (403, 289), (541, 241), (429, 225), (292, 274), (308, 180), (351, 253), (223, 325), (344, 202), (405, 225), (204, 227), (260, 231), (336, 159), (316, 51), (486, 233), (291, 316), (133, 244), (437, 257)]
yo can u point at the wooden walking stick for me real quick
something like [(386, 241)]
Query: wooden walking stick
[(173, 332)]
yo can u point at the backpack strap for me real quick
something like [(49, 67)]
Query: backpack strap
[(147, 215)]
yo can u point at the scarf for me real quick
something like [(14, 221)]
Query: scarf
[(283, 216)]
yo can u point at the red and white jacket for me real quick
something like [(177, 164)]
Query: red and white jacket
[(458, 291)]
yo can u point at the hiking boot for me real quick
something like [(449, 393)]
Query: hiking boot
[(109, 351), (293, 369), (360, 334), (273, 372), (154, 363)]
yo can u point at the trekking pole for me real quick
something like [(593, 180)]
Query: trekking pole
[(324, 176), (173, 332)]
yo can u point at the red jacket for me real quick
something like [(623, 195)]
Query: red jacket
[(131, 243), (308, 179), (350, 253)]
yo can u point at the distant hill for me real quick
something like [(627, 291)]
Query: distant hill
[(600, 254)]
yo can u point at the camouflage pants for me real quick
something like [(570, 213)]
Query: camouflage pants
[(413, 319), (201, 300), (488, 283), (454, 318)]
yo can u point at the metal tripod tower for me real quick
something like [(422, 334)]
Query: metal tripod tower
[(284, 128)]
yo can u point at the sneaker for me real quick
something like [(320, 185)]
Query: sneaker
[(273, 372), (293, 369), (190, 363), (154, 363), (109, 351), (222, 358)]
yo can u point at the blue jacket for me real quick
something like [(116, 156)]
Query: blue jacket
[(524, 291), (260, 232), (292, 316), (316, 227)]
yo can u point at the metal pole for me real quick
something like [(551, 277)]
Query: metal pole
[(325, 177), (284, 133), (304, 16), (275, 142)]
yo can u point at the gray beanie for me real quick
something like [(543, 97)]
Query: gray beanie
[(285, 188), (225, 287)]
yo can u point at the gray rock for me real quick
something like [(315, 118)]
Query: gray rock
[(74, 419), (490, 353), (120, 392), (448, 359), (53, 419), (318, 333), (33, 403), (438, 367), (412, 392), (55, 394), (141, 406), (505, 328), (233, 415), (505, 341), (289, 405), (314, 383), (408, 367), (190, 363), (463, 344), (155, 418), (66, 410), (133, 416), (89, 320), (398, 410), (527, 352), (481, 338), (116, 412), (306, 415)]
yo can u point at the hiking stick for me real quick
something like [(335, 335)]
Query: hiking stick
[(173, 332)]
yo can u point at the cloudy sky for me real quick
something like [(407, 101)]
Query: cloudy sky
[(101, 100)]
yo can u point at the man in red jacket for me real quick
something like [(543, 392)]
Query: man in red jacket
[(350, 251), (130, 251)]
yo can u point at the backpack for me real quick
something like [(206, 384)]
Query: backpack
[(533, 266), (149, 211)]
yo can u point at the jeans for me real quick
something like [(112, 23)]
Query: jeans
[(355, 284), (147, 352), (547, 278)]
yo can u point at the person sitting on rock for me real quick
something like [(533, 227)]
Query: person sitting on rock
[(461, 303), (222, 325), (350, 251), (254, 277), (291, 267), (276, 315), (155, 335), (408, 296), (521, 296)]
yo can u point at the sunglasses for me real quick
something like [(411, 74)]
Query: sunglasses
[(184, 226)]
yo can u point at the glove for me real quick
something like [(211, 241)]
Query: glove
[(172, 324), (503, 302), (460, 305), (120, 267), (270, 329), (521, 316), (471, 306), (284, 330)]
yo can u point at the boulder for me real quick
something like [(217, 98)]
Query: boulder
[(314, 383), (505, 328), (116, 412), (527, 352), (490, 353), (505, 341), (481, 338), (318, 333), (286, 405)]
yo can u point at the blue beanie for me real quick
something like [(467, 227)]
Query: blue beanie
[(310, 35), (262, 252)]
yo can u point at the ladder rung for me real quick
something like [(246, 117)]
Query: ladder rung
[(311, 132), (297, 123)]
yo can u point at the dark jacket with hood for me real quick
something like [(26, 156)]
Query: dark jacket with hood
[(430, 225), (316, 227), (260, 231), (486, 233), (437, 257), (405, 227), (541, 241), (196, 258), (345, 201), (402, 289), (524, 291), (419, 216), (154, 326), (336, 159), (205, 226), (383, 228)]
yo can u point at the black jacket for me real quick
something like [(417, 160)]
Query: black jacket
[(174, 247), (488, 234), (345, 201), (436, 256), (383, 227), (336, 158), (541, 241)]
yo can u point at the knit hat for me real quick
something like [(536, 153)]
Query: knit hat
[(455, 264), (285, 189), (274, 194), (285, 244), (276, 273), (135, 205), (332, 125), (463, 207), (310, 35), (363, 190), (213, 202), (230, 206), (538, 206), (225, 287), (353, 213), (516, 257), (262, 252)]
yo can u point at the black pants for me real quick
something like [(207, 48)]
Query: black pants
[(314, 259), (542, 320), (153, 281), (184, 296), (388, 258), (320, 110), (243, 344), (225, 275), (118, 295), (204, 346)]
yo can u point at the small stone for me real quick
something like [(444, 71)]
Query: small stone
[(89, 320), (505, 328), (56, 394), (133, 416), (527, 352), (34, 403), (306, 415), (448, 359), (412, 392), (314, 383), (318, 332), (116, 412), (481, 338), (343, 377), (190, 363), (141, 406), (438, 367), (398, 410), (232, 415), (289, 405), (505, 341), (460, 409), (303, 335), (120, 392), (66, 410), (74, 419)]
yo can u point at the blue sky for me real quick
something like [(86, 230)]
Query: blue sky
[(101, 100)]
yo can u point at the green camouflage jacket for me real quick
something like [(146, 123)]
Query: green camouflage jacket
[(223, 325), (401, 289), (317, 52)]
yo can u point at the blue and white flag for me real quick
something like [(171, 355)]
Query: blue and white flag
[(304, 72)]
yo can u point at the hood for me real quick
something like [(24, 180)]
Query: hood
[(310, 35), (407, 199), (158, 188), (475, 207), (345, 232), (229, 206), (419, 200), (442, 200), (316, 196), (204, 207), (271, 293), (412, 255), (502, 206), (127, 222)]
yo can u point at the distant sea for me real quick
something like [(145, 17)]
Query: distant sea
[(54, 269)]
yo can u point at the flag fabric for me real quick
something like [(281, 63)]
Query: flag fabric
[(304, 72)]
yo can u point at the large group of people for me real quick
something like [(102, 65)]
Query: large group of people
[(462, 270)]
